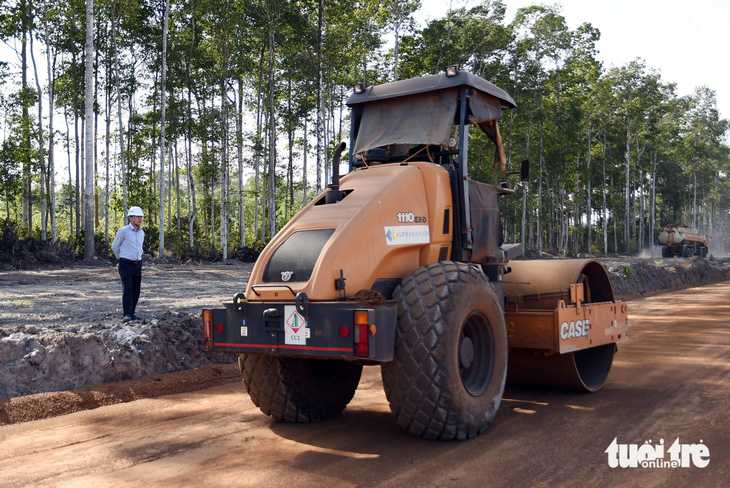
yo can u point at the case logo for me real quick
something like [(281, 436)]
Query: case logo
[(286, 275)]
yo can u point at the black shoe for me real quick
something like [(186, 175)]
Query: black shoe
[(137, 319), (127, 318)]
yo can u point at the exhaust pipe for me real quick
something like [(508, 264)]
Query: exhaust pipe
[(334, 194)]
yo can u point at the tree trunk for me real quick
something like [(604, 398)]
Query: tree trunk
[(41, 151), (50, 67), (177, 190), (694, 196), (163, 141), (224, 167), (272, 136), (589, 191), (304, 163), (68, 155), (320, 98), (525, 192), (396, 29), (604, 207), (239, 147), (576, 208), (192, 209), (290, 163), (122, 162), (641, 209), (627, 192), (25, 130), (95, 137), (89, 251), (170, 182), (539, 191), (258, 150), (107, 145), (652, 212)]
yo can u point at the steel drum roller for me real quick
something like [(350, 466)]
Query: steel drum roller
[(539, 285)]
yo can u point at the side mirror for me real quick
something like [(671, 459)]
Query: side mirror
[(525, 170)]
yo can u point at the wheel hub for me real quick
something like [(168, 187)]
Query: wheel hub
[(466, 352), (476, 354)]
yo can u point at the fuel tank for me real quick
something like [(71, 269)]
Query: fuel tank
[(675, 234)]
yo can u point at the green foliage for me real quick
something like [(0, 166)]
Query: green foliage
[(626, 271), (592, 132)]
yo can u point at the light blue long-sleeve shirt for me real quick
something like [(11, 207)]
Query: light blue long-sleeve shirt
[(128, 243)]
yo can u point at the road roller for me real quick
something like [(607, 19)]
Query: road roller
[(400, 263)]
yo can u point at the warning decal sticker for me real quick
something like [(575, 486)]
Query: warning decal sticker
[(295, 327)]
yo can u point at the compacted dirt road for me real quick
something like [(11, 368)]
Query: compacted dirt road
[(670, 381)]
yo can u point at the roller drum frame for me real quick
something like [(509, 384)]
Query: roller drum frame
[(538, 294)]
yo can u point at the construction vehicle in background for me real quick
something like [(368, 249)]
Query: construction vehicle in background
[(400, 264), (684, 242)]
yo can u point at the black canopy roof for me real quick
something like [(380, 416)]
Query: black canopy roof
[(404, 88), (423, 110)]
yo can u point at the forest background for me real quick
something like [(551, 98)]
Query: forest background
[(219, 119)]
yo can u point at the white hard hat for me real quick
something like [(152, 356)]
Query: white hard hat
[(135, 212)]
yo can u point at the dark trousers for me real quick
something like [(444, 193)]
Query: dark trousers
[(131, 274)]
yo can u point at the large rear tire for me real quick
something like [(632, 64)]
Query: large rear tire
[(448, 372), (298, 389)]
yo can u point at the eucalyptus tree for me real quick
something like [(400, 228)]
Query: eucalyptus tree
[(105, 67), (89, 249), (705, 131), (487, 39), (443, 42), (626, 81), (26, 101), (163, 123), (298, 65), (658, 101), (129, 35), (541, 39), (215, 44), (665, 154), (188, 35), (10, 178), (319, 120), (397, 15), (243, 46), (41, 143), (352, 52), (360, 23), (582, 73), (69, 90), (48, 14), (16, 24)]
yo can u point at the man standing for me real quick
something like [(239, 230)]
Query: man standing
[(127, 247)]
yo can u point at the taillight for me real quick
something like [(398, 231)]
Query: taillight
[(208, 330), (362, 343)]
